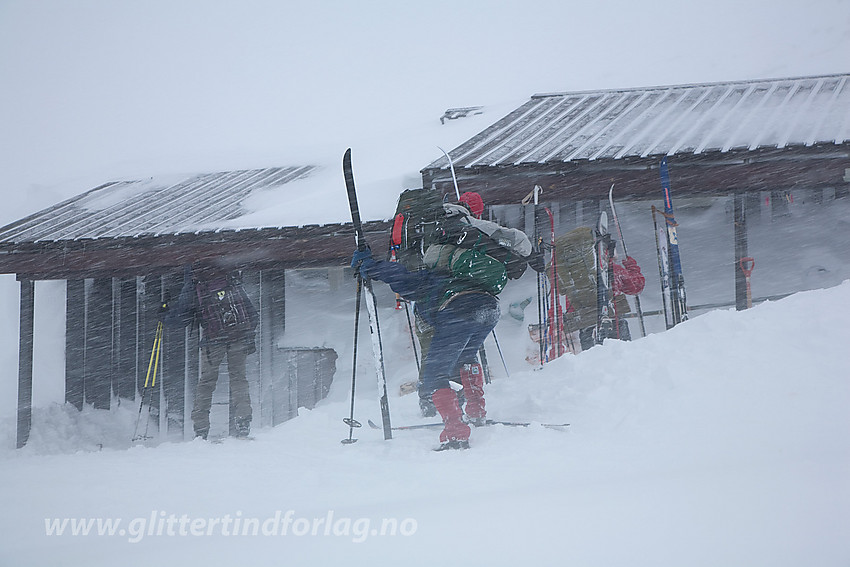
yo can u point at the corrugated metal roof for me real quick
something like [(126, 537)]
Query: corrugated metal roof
[(685, 119), (149, 208)]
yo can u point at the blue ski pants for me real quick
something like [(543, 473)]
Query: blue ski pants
[(460, 328)]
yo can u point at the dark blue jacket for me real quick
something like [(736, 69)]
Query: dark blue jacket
[(428, 289)]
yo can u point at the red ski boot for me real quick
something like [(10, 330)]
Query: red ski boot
[(472, 378), (455, 434)]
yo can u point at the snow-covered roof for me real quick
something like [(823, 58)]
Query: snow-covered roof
[(152, 207), (670, 120)]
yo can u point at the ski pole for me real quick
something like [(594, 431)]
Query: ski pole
[(499, 348), (150, 382), (350, 421), (412, 339)]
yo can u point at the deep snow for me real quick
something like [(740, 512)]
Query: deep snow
[(720, 442)]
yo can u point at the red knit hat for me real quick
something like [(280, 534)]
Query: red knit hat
[(474, 202)]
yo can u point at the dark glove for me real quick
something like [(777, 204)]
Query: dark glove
[(537, 261), (362, 260)]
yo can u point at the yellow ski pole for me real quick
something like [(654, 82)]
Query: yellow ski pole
[(150, 381)]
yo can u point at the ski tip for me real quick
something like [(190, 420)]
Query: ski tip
[(373, 425)]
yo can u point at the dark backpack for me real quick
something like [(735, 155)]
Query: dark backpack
[(226, 311), (418, 214)]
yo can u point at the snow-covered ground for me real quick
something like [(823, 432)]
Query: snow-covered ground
[(720, 442)]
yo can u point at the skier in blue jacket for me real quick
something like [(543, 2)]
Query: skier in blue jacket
[(461, 321)]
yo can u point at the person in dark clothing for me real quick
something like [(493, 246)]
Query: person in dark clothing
[(215, 298)]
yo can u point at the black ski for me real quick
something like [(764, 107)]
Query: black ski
[(489, 422), (371, 303), (603, 250), (677, 278)]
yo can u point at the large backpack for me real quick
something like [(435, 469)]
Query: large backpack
[(418, 214), (226, 311), (453, 246), (576, 272)]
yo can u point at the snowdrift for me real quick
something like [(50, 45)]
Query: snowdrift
[(720, 442)]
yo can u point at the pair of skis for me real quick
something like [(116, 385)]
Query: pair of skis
[(607, 324), (605, 253), (669, 261)]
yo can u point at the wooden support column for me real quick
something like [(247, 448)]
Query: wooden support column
[(272, 310), (75, 342), (25, 355), (174, 361), (98, 354), (126, 335), (740, 206), (193, 369), (148, 317)]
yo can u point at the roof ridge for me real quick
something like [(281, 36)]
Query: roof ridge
[(691, 85)]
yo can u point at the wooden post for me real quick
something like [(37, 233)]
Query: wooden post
[(740, 250), (272, 327), (75, 342), (148, 316), (173, 361), (126, 336), (25, 356), (98, 357)]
